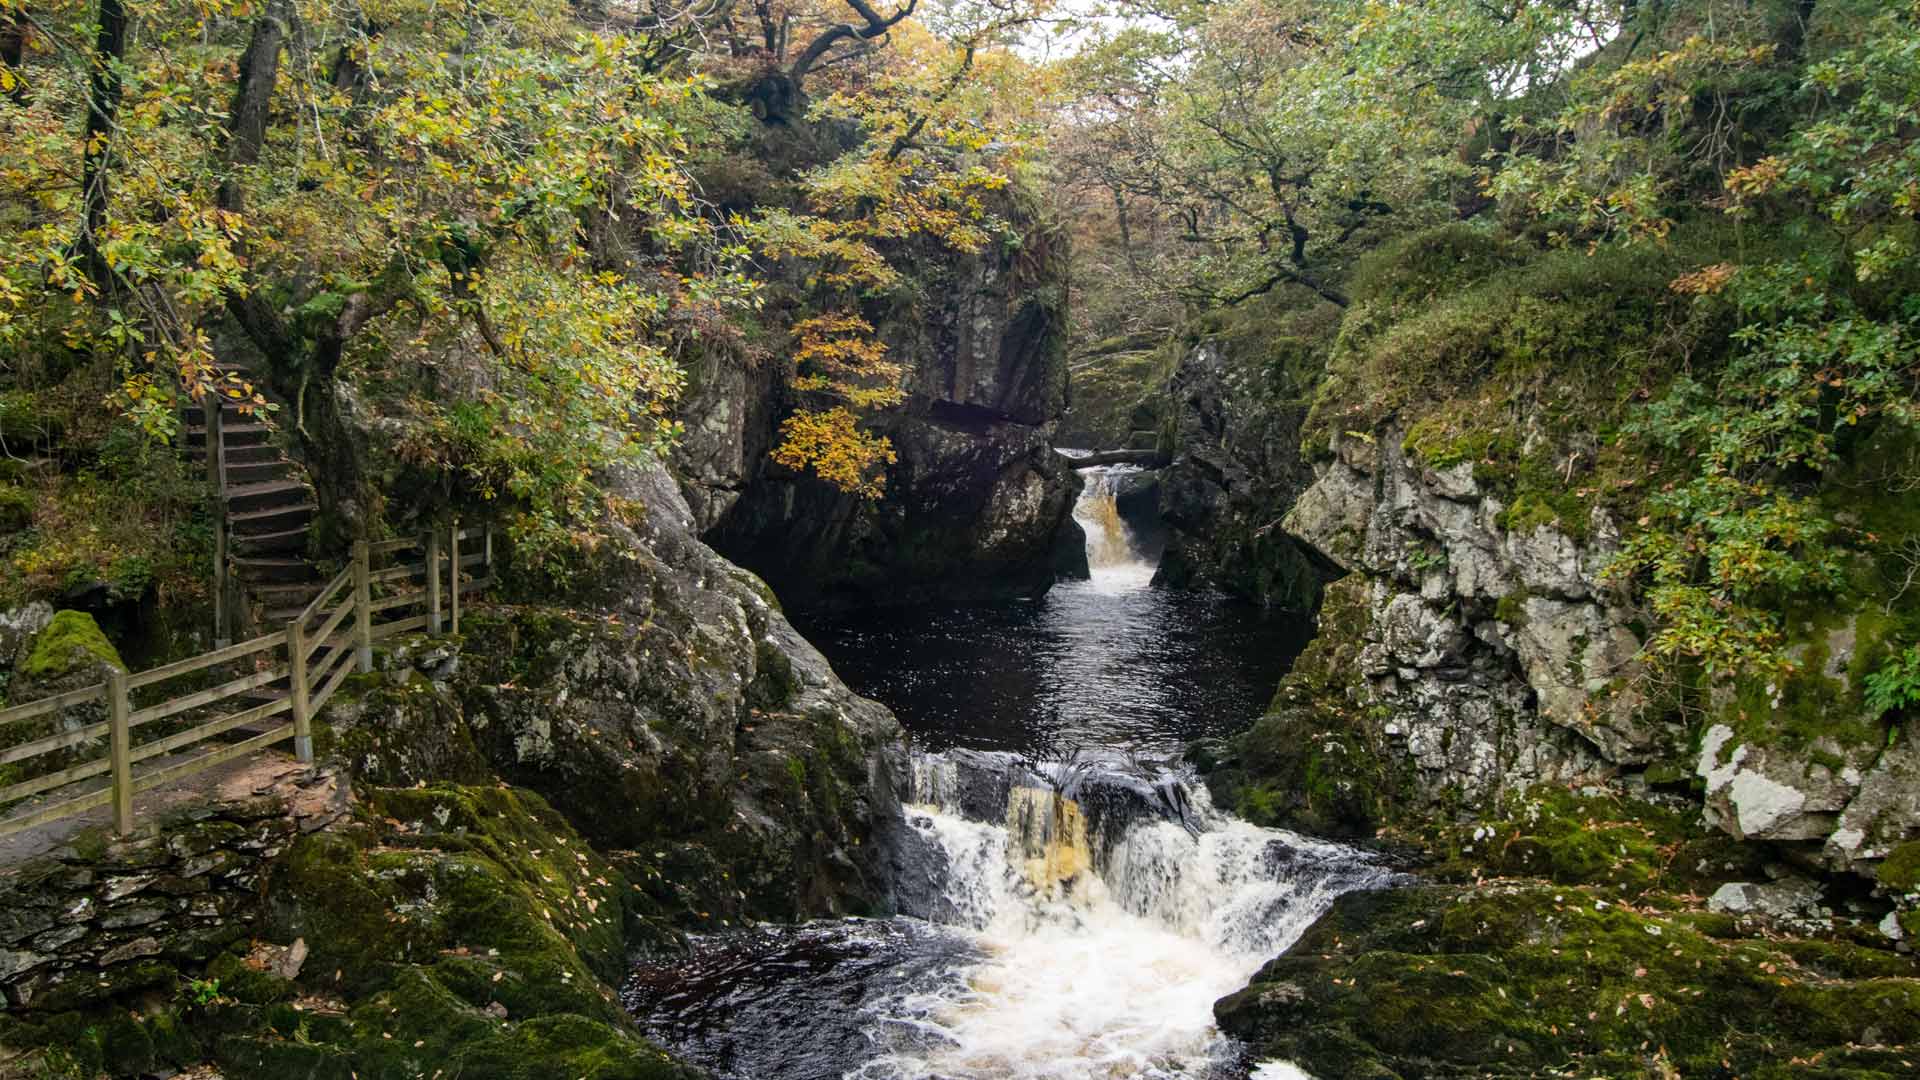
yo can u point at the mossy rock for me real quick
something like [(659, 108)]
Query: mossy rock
[(243, 983), (569, 1046), (71, 642), (1900, 871), (1424, 265), (1308, 776), (107, 1040), (1534, 979)]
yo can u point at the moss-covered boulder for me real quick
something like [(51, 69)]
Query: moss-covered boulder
[(462, 928), (71, 646), (1538, 979)]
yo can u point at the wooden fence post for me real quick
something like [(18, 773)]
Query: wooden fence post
[(297, 692), (212, 405), (121, 749), (218, 511), (362, 605), (453, 598), (433, 581)]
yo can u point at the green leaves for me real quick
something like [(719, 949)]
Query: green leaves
[(1896, 684)]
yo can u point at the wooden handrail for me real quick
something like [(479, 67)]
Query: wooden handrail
[(53, 704), (310, 685), (339, 580), (205, 660)]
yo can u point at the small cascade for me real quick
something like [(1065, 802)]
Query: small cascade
[(1059, 921), (1114, 557), (1113, 907)]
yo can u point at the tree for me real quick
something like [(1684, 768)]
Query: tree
[(1283, 137), (944, 124)]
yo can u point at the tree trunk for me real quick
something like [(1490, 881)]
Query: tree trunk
[(103, 105)]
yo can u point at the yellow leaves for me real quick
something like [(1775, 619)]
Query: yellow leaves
[(1705, 281), (1757, 179), (833, 446)]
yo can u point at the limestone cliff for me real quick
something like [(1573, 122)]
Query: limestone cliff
[(1471, 482)]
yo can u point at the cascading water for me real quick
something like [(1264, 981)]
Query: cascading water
[(1058, 920), (1114, 558)]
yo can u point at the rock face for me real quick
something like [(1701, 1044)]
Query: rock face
[(1486, 646), (1491, 656), (564, 782), (670, 704), (1236, 464), (975, 500)]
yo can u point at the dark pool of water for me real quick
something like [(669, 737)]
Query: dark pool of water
[(1110, 665), (797, 1003)]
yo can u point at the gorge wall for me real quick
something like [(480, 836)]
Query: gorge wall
[(1477, 644), (975, 502), (1232, 411)]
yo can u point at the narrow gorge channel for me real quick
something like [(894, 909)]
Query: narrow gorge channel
[(1070, 903)]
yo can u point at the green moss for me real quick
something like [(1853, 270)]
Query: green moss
[(568, 1046), (1521, 980), (1900, 870), (244, 984), (475, 932), (109, 1040), (1810, 707), (1512, 608), (1532, 510), (1424, 265), (72, 640)]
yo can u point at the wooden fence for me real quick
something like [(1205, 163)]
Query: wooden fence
[(290, 673)]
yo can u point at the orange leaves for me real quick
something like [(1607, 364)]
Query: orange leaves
[(833, 446), (1758, 178)]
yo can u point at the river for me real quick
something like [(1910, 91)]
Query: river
[(1071, 904)]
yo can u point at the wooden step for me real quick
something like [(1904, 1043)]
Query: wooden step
[(283, 593), (230, 414), (273, 493), (281, 569), (232, 434), (241, 473), (273, 519), (246, 455), (272, 543)]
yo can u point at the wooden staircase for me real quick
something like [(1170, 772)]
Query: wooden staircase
[(267, 508)]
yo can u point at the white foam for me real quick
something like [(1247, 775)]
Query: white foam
[(1106, 976)]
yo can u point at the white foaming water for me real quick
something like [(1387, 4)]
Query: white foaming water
[(1113, 558), (1102, 955)]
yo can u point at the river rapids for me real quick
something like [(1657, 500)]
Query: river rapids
[(1066, 910)]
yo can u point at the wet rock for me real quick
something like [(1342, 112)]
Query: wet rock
[(1236, 466)]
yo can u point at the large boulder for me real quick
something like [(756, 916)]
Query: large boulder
[(666, 706)]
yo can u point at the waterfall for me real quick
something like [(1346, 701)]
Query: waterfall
[(1112, 907), (1113, 555)]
